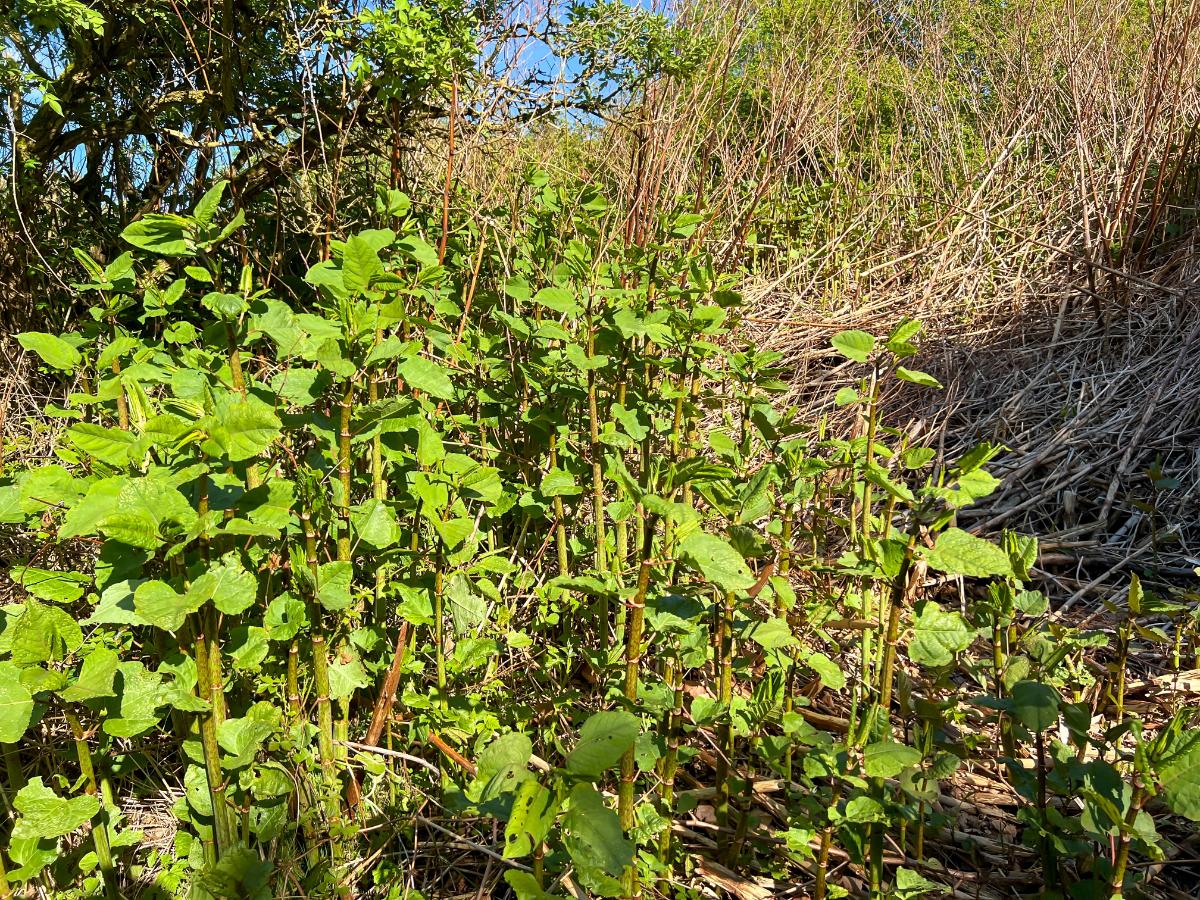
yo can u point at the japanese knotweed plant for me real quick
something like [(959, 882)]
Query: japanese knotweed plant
[(518, 526)]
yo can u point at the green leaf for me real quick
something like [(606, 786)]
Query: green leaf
[(159, 233), (910, 884), (243, 430), (525, 886), (43, 634), (242, 738), (95, 677), (717, 561), (1179, 766), (428, 376), (416, 249), (887, 759), (915, 377), (831, 674), (333, 585), (558, 483), (284, 618), (109, 445), (855, 345), (206, 208), (1035, 705), (375, 523), (53, 350), (771, 634), (958, 553), (360, 263), (163, 607), (16, 704), (558, 299), (140, 695), (56, 587), (533, 811), (501, 768), (899, 341), (49, 816), (605, 736), (227, 584), (345, 677), (937, 636), (594, 840)]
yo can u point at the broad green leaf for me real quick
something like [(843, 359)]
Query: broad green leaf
[(417, 249), (717, 561), (109, 445), (604, 738), (957, 552), (518, 288), (915, 377), (53, 350), (162, 606), (360, 263), (771, 634), (207, 206), (243, 430), (333, 588), (911, 884), (95, 677), (428, 376), (1179, 767), (284, 618), (1035, 705), (227, 584), (887, 759), (345, 677), (855, 345), (595, 842), (46, 815), (242, 738), (558, 299), (525, 886), (558, 483), (43, 634), (502, 767), (139, 695), (159, 233), (227, 307), (375, 523), (16, 704), (533, 811), (56, 587), (1022, 552), (937, 636), (899, 341), (831, 674)]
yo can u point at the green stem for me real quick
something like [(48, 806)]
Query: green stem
[(596, 452), (439, 624), (634, 626), (560, 519), (724, 698), (320, 665), (224, 837), (346, 408), (100, 836), (672, 723), (1122, 863)]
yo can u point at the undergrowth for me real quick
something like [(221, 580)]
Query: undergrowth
[(514, 545)]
